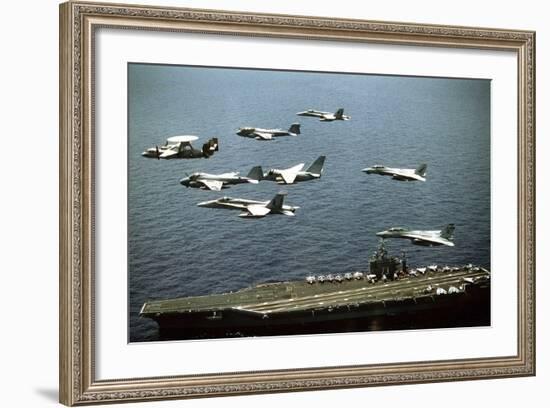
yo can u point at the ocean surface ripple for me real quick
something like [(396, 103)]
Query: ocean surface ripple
[(178, 249)]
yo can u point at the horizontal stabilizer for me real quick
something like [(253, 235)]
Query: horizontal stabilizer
[(210, 147)]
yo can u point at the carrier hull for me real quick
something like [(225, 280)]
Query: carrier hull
[(436, 299)]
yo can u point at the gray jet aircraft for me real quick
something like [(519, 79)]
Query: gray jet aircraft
[(418, 174), (423, 238), (268, 134), (179, 147), (218, 181), (253, 208), (325, 116), (295, 174)]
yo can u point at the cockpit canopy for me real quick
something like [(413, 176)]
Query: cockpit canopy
[(397, 229)]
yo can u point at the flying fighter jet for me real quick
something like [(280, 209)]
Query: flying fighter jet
[(325, 116), (423, 238), (399, 174), (252, 208), (268, 134), (179, 147), (218, 181), (295, 174)]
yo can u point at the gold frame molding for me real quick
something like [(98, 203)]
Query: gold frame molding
[(78, 22)]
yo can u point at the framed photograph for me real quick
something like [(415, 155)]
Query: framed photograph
[(382, 178)]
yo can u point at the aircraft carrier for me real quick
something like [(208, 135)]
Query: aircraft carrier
[(390, 296)]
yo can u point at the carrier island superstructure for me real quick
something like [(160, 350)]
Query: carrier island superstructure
[(388, 296)]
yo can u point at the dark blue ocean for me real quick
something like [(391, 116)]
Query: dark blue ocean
[(178, 249)]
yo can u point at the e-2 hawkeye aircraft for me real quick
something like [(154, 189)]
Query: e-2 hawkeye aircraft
[(268, 134), (179, 147), (423, 238), (418, 174), (295, 174), (218, 181), (325, 116), (253, 208)]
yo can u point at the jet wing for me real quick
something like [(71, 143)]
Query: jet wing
[(432, 239), (406, 175), (168, 153), (312, 113), (442, 241), (289, 175), (256, 210), (230, 174), (263, 135), (214, 185), (235, 205), (402, 177)]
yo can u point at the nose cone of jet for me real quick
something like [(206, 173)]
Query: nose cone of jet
[(245, 131), (207, 203), (367, 170), (382, 234), (185, 181)]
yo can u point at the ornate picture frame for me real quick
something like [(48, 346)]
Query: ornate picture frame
[(78, 24)]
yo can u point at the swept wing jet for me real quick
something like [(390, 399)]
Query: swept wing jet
[(179, 147), (423, 238), (218, 181), (418, 174), (268, 134), (295, 174), (252, 208), (325, 116)]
